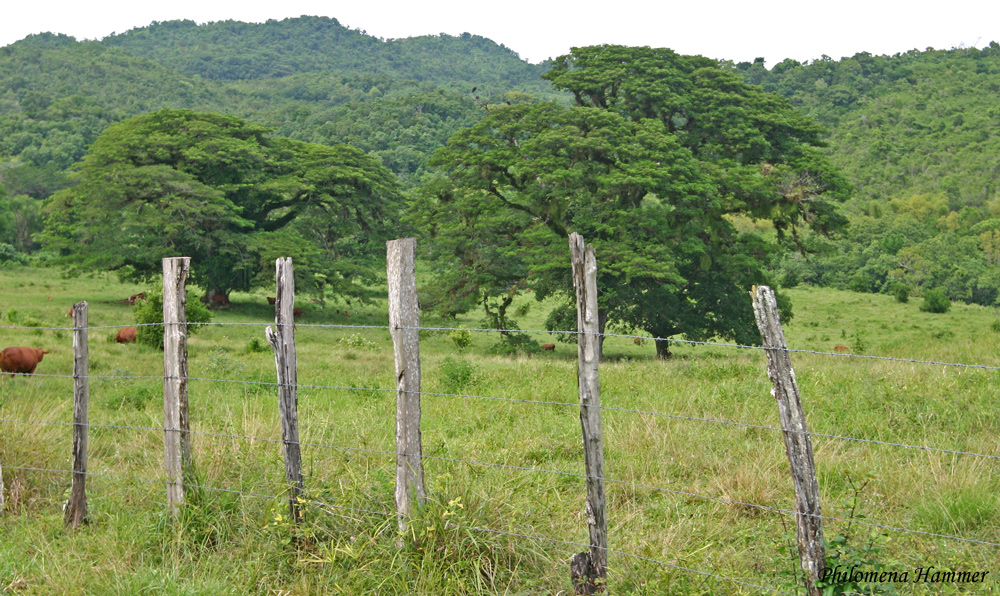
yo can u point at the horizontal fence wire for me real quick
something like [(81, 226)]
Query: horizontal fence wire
[(625, 483), (551, 403), (551, 332), (325, 505)]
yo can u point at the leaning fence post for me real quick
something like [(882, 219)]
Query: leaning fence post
[(283, 343), (176, 422), (404, 321), (589, 569), (76, 507), (798, 445)]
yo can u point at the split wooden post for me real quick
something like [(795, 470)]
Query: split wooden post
[(404, 321), (589, 569), (283, 343), (798, 445), (76, 507), (176, 421)]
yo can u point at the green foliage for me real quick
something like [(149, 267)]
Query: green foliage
[(901, 292), (650, 166), (256, 346), (356, 340), (461, 338), (149, 319), (935, 301), (221, 191), (456, 374)]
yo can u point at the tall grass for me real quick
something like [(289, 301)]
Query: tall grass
[(689, 492)]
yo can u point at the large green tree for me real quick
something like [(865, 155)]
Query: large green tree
[(659, 158), (224, 192)]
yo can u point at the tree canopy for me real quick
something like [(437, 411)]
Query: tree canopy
[(653, 165), (213, 187)]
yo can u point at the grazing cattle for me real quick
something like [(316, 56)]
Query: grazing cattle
[(271, 300), (136, 298), (126, 335), (18, 360), (842, 349), (549, 347), (639, 341), (297, 312), (218, 300), (70, 313), (347, 315)]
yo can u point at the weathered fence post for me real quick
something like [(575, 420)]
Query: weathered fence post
[(798, 445), (283, 343), (176, 422), (589, 569), (76, 507), (404, 320)]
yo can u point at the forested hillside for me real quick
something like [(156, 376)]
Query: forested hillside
[(915, 134), (918, 135)]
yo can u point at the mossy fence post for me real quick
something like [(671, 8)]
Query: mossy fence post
[(283, 343), (76, 506), (176, 420), (798, 445), (588, 570), (404, 323)]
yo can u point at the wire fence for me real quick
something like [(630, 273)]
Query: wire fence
[(331, 507)]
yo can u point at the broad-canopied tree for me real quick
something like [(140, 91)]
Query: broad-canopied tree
[(224, 192), (655, 163)]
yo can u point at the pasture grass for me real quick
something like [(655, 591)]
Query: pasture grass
[(689, 491)]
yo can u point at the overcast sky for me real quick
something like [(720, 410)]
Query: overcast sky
[(538, 29)]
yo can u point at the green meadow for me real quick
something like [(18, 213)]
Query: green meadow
[(693, 503)]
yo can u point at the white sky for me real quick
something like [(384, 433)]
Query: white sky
[(538, 29)]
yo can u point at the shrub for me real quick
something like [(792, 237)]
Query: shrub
[(456, 374), (935, 301), (461, 337), (901, 292), (149, 319)]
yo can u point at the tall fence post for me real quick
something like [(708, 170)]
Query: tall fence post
[(404, 321), (588, 570), (76, 507), (283, 343), (176, 421), (798, 445)]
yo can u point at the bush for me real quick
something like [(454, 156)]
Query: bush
[(935, 301), (901, 292), (149, 319), (461, 337), (456, 374)]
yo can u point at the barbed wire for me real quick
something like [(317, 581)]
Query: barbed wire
[(326, 505), (553, 472), (555, 332)]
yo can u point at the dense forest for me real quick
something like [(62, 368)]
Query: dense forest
[(914, 135)]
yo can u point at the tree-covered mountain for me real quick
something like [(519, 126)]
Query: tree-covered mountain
[(918, 135), (915, 134)]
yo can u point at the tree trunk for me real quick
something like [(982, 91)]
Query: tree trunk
[(662, 347)]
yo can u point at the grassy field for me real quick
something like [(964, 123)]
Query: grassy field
[(682, 481)]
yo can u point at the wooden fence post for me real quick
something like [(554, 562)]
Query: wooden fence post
[(798, 445), (404, 320), (588, 570), (283, 343), (76, 507), (176, 421)]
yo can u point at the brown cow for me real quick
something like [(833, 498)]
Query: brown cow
[(639, 341), (271, 299), (842, 349), (297, 312), (141, 296), (550, 347), (18, 360), (126, 335)]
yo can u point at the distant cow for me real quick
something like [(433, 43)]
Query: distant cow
[(549, 347), (218, 300), (126, 335), (842, 349), (18, 360), (141, 296), (297, 312), (70, 313), (271, 300), (639, 341)]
